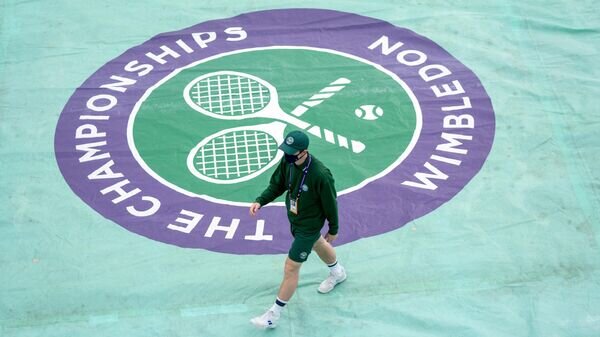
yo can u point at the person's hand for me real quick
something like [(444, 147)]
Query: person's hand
[(254, 208), (330, 237)]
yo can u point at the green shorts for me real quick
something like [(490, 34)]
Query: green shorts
[(302, 246)]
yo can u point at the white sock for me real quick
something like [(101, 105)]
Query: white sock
[(335, 267), (277, 306)]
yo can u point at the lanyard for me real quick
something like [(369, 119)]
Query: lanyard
[(305, 172)]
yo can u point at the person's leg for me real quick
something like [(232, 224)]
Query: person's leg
[(337, 273), (299, 252), (325, 251), (291, 272)]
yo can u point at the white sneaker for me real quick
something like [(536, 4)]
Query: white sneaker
[(332, 280), (266, 320)]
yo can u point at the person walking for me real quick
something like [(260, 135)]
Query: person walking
[(310, 200)]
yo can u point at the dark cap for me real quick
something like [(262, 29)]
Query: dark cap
[(294, 141)]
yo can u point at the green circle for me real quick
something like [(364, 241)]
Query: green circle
[(166, 129)]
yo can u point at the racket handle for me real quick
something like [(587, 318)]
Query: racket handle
[(339, 140), (323, 94)]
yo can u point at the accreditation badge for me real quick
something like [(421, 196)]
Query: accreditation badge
[(294, 206)]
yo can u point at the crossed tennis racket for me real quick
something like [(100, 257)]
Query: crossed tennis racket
[(239, 154)]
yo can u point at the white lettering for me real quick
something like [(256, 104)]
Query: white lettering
[(447, 90), (160, 58), (452, 143), (144, 69), (439, 71), (90, 151), (92, 105), (118, 86), (92, 132), (184, 46), (203, 43), (214, 226), (385, 45), (462, 121), (466, 105), (105, 172), (190, 223), (446, 160), (236, 31), (118, 188), (155, 206), (425, 183), (259, 235), (94, 117), (402, 57)]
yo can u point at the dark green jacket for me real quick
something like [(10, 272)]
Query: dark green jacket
[(315, 205)]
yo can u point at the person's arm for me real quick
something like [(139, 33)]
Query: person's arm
[(276, 187), (329, 202)]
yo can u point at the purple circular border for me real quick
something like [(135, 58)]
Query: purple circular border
[(380, 206)]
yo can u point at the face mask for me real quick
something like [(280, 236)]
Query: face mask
[(290, 158)]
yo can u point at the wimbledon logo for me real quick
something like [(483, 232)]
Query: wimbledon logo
[(173, 139)]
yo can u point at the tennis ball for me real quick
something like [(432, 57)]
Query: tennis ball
[(369, 112)]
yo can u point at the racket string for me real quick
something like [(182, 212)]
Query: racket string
[(230, 95), (235, 154)]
